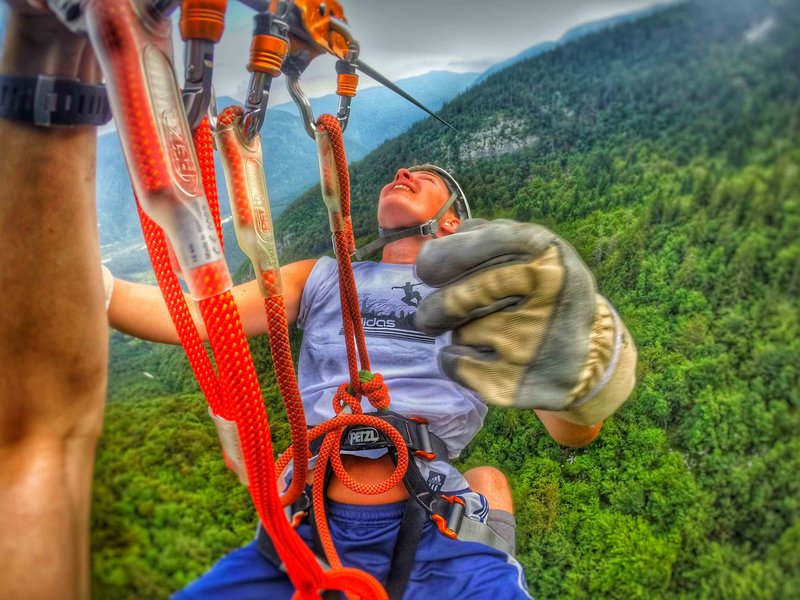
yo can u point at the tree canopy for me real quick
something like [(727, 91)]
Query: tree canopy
[(666, 150)]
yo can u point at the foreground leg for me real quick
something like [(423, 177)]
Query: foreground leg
[(53, 332), (493, 485)]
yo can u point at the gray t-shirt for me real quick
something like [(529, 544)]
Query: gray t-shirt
[(408, 359)]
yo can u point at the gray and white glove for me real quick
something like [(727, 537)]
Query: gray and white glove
[(529, 329)]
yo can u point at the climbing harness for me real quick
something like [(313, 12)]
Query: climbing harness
[(424, 503), (166, 135)]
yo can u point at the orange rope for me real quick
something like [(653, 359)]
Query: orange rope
[(277, 323), (235, 395), (373, 388)]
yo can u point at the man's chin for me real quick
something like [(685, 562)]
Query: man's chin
[(397, 224), (393, 215)]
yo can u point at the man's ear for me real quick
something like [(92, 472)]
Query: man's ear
[(449, 224)]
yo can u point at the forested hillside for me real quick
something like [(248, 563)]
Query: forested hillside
[(668, 152)]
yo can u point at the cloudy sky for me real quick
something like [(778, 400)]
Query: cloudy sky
[(403, 38)]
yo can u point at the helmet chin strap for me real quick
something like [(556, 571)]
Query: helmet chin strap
[(387, 236)]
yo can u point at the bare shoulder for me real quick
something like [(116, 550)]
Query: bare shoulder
[(294, 276), (298, 271)]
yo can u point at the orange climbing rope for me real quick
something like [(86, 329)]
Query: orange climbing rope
[(167, 181), (244, 173), (176, 194), (336, 191)]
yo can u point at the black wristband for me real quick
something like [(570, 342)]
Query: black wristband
[(47, 101)]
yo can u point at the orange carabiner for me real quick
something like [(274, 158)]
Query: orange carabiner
[(203, 19)]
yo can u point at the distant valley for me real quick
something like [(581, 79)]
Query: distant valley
[(290, 155)]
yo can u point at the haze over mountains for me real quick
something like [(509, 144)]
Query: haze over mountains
[(570, 36), (290, 155)]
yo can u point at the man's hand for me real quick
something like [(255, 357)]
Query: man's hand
[(529, 329)]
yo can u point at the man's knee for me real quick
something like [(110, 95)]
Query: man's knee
[(493, 485), (495, 488)]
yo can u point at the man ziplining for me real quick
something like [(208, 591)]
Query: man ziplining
[(516, 294), (528, 330)]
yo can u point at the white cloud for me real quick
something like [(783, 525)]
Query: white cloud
[(404, 39), (409, 38)]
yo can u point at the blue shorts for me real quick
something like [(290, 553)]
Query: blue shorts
[(365, 537)]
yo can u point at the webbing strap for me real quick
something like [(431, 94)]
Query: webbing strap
[(475, 531), (389, 233), (387, 236), (428, 228), (405, 549), (316, 542)]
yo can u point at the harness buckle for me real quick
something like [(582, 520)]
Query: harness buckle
[(450, 525), (299, 509), (431, 228), (426, 447), (429, 456)]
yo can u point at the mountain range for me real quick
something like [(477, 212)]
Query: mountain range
[(667, 152), (290, 155)]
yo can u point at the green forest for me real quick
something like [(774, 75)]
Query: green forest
[(668, 152)]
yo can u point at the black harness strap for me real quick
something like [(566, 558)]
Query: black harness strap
[(267, 548), (420, 491), (319, 550), (422, 504), (405, 549), (387, 236), (415, 433)]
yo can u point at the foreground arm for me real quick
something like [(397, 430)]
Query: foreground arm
[(529, 329), (567, 433), (139, 310), (53, 336)]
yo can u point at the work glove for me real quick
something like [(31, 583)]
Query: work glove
[(529, 329)]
